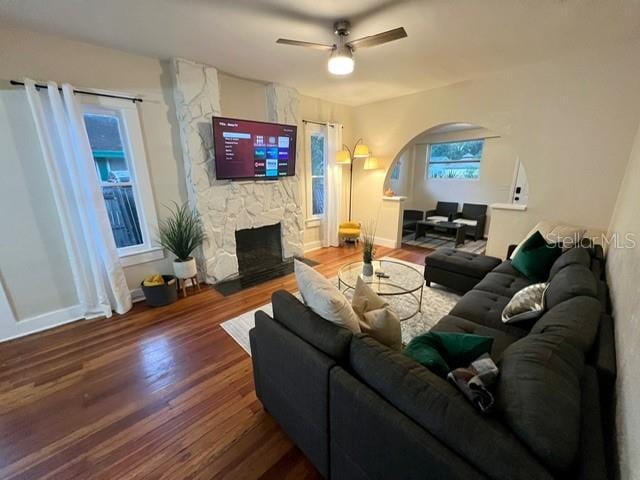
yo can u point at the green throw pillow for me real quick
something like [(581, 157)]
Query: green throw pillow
[(425, 349), (442, 352), (535, 258)]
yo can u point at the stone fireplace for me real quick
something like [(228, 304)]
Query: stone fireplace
[(228, 208)]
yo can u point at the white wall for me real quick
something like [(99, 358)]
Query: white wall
[(570, 120), (242, 98), (34, 266), (623, 275), (41, 57), (39, 257)]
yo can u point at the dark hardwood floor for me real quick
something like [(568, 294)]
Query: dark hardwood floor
[(155, 393)]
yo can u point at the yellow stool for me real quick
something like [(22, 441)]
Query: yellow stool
[(349, 232)]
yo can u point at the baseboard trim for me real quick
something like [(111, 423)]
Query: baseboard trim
[(56, 318), (44, 321), (385, 242), (136, 295), (310, 246)]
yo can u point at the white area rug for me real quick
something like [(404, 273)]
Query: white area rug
[(436, 303)]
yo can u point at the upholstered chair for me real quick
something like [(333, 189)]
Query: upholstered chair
[(444, 212), (349, 232), (410, 218), (474, 216)]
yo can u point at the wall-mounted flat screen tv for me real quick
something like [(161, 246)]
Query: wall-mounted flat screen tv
[(245, 149)]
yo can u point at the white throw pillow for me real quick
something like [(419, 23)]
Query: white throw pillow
[(526, 304), (377, 318), (324, 298)]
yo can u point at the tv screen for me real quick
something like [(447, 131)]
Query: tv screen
[(259, 150)]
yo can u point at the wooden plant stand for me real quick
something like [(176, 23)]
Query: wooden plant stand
[(183, 281)]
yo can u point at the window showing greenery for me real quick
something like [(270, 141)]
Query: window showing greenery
[(455, 159), (317, 174)]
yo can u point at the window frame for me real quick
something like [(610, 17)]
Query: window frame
[(465, 140), (136, 158), (310, 131)]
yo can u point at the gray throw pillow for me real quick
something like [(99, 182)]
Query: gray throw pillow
[(526, 304)]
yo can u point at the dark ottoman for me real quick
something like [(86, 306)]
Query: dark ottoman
[(458, 270)]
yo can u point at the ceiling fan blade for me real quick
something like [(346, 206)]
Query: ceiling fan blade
[(299, 43), (378, 39)]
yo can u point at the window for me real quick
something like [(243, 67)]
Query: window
[(115, 136), (115, 177), (315, 172), (395, 173), (455, 160)]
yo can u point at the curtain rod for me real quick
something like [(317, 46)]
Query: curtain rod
[(320, 123), (84, 92)]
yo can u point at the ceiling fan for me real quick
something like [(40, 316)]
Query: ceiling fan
[(341, 59)]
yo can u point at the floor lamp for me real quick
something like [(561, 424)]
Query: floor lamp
[(347, 156)]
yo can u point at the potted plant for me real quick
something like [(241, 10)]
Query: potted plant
[(368, 249), (181, 233)]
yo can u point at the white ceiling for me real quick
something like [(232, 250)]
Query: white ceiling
[(449, 40)]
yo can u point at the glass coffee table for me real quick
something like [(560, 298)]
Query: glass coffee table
[(403, 284)]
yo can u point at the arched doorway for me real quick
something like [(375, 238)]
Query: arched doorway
[(457, 163)]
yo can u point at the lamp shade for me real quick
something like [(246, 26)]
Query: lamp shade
[(361, 151), (371, 163), (343, 157)]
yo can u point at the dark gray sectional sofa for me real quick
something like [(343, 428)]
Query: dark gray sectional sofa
[(359, 410)]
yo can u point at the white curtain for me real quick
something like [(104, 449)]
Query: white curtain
[(95, 265), (333, 187)]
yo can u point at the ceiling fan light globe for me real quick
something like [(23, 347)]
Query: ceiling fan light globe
[(341, 61)]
